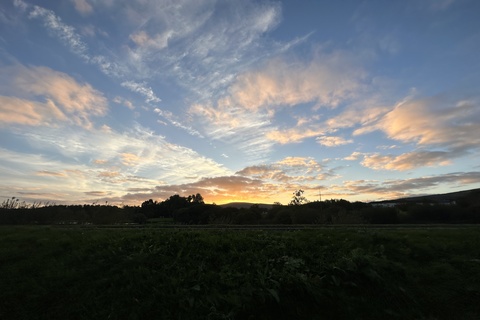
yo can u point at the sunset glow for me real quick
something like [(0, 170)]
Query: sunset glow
[(124, 101)]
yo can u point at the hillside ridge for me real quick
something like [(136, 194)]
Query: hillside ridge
[(440, 197)]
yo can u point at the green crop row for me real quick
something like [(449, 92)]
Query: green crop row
[(82, 273)]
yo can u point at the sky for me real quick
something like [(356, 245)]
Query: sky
[(121, 101)]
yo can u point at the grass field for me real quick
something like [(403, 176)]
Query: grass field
[(341, 273)]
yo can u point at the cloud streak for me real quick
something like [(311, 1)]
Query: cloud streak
[(47, 97), (142, 89), (108, 66), (118, 161), (202, 44), (432, 121), (442, 129), (287, 170), (83, 7), (327, 80), (331, 141), (407, 161), (254, 98), (401, 188)]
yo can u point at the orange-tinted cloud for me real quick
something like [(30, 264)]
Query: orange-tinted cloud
[(373, 190), (331, 141), (406, 161), (288, 170), (432, 122), (130, 159), (294, 135), (442, 130), (42, 96), (159, 41), (255, 96), (83, 6), (109, 174), (326, 80), (20, 111), (97, 193), (354, 156), (267, 183), (47, 173), (218, 190)]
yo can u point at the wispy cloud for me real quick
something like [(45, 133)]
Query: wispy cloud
[(143, 40), (442, 129), (173, 120), (217, 189), (226, 189), (360, 114), (125, 102), (296, 134), (290, 169), (118, 161), (138, 151), (407, 161), (332, 141), (112, 66), (43, 96), (65, 32), (354, 156), (73, 40), (327, 80), (20, 4), (82, 6), (38, 177), (439, 5), (47, 173), (434, 121), (235, 126), (400, 188), (142, 89), (97, 193), (200, 43), (247, 109), (199, 46), (355, 114), (130, 159)]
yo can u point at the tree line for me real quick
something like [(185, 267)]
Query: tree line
[(192, 209)]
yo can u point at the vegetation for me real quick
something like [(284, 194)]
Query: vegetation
[(346, 273), (74, 271), (298, 198), (193, 210)]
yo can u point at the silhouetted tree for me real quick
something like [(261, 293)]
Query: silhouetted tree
[(298, 198), (195, 198), (150, 208)]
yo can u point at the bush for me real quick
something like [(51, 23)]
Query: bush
[(380, 215), (140, 218)]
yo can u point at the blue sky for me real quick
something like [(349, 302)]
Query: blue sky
[(123, 101)]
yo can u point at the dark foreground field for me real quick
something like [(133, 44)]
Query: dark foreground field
[(355, 273)]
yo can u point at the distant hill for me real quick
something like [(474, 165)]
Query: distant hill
[(240, 205), (438, 198)]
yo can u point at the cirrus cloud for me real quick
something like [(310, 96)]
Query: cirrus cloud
[(257, 95), (407, 161), (331, 141)]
